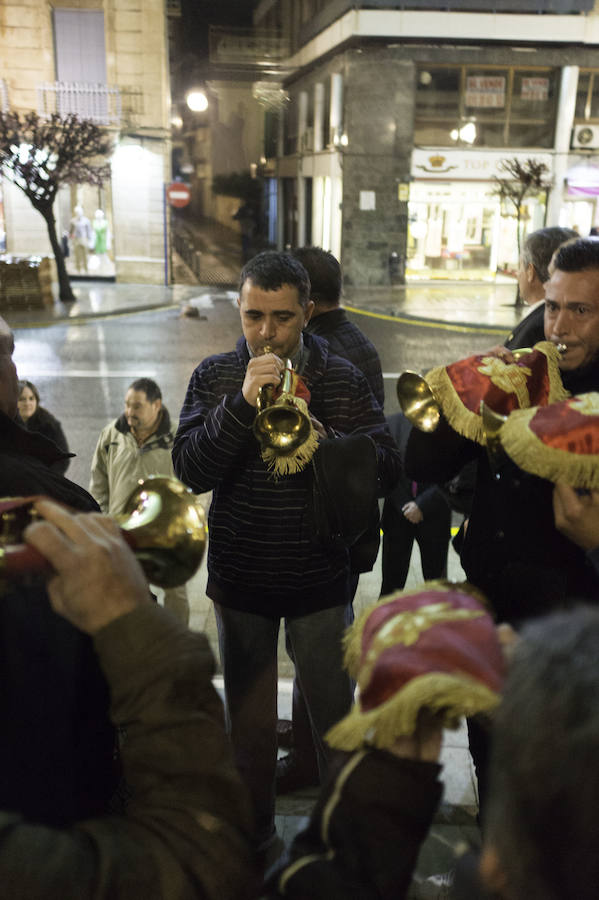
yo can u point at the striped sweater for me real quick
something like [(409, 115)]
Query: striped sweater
[(262, 557)]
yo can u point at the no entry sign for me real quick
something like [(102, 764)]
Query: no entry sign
[(178, 194)]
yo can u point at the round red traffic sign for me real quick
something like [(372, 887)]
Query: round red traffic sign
[(178, 194)]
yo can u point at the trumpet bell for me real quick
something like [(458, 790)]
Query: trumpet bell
[(165, 525), (419, 404), (282, 427)]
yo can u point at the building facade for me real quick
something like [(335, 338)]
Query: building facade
[(106, 60), (398, 115)]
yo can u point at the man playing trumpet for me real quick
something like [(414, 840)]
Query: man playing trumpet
[(512, 549), (264, 563)]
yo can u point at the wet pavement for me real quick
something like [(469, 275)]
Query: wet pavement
[(479, 307)]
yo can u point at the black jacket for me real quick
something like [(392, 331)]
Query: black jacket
[(56, 753), (347, 341), (529, 331), (429, 498), (44, 423), (365, 832)]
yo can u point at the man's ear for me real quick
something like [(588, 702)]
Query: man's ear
[(531, 273), (239, 301), (309, 309), (491, 871)]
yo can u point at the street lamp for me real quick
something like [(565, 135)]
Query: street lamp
[(197, 101)]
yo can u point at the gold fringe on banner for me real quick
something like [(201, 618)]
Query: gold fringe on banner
[(557, 391), (461, 419), (468, 423), (530, 453), (452, 696)]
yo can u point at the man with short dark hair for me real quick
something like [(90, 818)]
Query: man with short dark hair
[(329, 320), (136, 445), (264, 562), (512, 550), (533, 272)]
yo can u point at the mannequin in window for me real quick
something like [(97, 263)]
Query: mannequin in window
[(81, 237), (101, 239)]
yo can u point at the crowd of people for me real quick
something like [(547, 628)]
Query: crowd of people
[(146, 785)]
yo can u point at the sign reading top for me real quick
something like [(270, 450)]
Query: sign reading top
[(466, 165), (247, 46)]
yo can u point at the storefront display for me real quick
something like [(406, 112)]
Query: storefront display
[(458, 227)]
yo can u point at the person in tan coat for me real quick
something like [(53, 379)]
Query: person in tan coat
[(136, 445)]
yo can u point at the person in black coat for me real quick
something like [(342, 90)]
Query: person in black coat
[(413, 512), (36, 418), (57, 752)]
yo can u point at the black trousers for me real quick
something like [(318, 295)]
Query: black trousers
[(432, 536)]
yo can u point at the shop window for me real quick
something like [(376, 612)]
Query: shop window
[(438, 93), (587, 96), (497, 106)]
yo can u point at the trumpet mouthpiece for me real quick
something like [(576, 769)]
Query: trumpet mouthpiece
[(561, 348)]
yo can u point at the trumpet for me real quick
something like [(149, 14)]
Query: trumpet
[(418, 401), (162, 521), (280, 425)]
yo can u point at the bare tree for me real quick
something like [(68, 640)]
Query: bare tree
[(518, 181), (40, 155)]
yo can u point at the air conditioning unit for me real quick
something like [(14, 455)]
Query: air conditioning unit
[(585, 137)]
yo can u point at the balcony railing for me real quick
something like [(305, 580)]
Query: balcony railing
[(99, 102)]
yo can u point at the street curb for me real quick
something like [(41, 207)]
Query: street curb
[(85, 317), (422, 321), (400, 318)]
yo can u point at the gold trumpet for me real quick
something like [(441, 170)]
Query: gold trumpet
[(418, 401), (163, 523), (280, 425)]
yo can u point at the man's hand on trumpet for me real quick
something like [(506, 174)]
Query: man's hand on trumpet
[(318, 428), (97, 576), (261, 370)]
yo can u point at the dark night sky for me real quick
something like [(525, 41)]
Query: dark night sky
[(197, 15)]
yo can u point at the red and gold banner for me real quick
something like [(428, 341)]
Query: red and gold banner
[(559, 442), (532, 380), (433, 648)]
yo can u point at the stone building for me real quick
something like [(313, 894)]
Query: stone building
[(397, 115), (106, 60)]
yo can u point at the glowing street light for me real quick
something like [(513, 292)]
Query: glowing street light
[(197, 101)]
